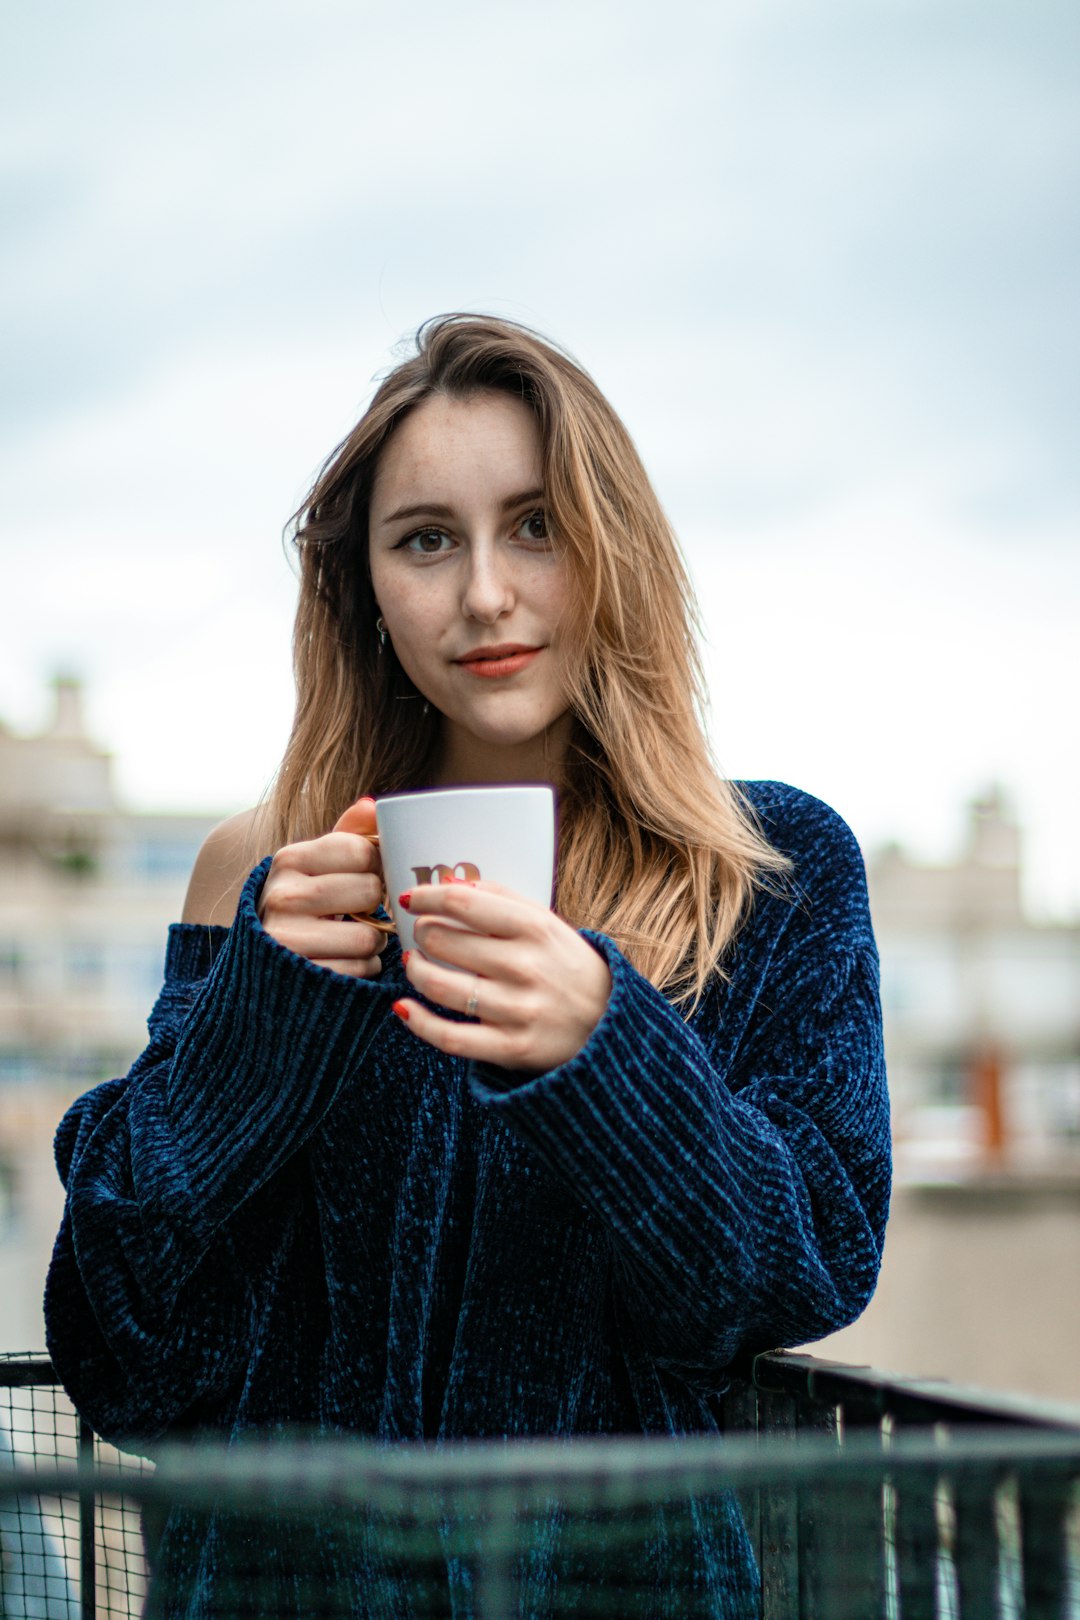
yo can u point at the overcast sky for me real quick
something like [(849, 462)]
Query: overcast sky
[(823, 258)]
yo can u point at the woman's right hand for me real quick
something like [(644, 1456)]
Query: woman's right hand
[(311, 888)]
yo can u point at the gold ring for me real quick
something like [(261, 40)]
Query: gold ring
[(377, 923)]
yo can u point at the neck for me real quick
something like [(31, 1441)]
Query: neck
[(465, 759)]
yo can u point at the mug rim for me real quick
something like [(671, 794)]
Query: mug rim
[(462, 792)]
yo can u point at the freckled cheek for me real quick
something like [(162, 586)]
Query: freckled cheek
[(417, 655), (566, 629), (555, 595), (418, 639), (416, 623)]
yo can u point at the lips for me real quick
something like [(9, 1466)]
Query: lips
[(504, 659)]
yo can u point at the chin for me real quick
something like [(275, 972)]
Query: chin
[(508, 739), (508, 735), (503, 726)]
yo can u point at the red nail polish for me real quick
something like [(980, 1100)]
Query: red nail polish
[(404, 899), (402, 1011), (367, 799), (405, 958)]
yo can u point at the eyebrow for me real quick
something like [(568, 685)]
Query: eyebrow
[(435, 510)]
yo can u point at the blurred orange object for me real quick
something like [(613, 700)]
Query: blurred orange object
[(986, 1089)]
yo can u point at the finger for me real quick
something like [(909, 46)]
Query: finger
[(325, 895), (323, 938), (352, 967), (485, 908), (295, 870), (479, 1043), (359, 818), (346, 892), (383, 924), (487, 956), (494, 1004), (333, 852)]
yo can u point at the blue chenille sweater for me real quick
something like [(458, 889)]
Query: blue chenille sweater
[(293, 1212)]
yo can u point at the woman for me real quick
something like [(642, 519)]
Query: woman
[(323, 1196)]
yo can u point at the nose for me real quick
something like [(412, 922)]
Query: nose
[(489, 590)]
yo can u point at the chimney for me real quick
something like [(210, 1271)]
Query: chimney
[(67, 723), (993, 834)]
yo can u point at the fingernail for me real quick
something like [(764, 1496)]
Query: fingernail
[(405, 958), (366, 799), (405, 899), (402, 1011)]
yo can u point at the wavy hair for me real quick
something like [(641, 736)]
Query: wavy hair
[(656, 849)]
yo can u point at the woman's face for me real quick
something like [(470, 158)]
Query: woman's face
[(469, 584)]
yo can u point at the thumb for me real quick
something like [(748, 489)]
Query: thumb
[(358, 818)]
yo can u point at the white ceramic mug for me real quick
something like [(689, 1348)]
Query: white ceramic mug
[(499, 834)]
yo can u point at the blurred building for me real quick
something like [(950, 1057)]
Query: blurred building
[(982, 1018), (982, 1028), (87, 890), (982, 1007)]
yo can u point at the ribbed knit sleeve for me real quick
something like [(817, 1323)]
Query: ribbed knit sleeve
[(744, 1187), (145, 1303)]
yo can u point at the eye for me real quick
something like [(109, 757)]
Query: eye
[(534, 527), (424, 542)]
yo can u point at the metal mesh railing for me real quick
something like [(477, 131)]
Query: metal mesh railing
[(68, 1550), (862, 1496)]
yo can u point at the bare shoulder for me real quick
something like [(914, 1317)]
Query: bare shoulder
[(222, 866)]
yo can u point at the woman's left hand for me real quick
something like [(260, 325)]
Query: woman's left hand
[(534, 987)]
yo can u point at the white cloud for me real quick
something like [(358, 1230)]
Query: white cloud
[(895, 667), (820, 259)]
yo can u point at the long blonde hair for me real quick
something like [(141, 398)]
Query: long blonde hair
[(656, 849)]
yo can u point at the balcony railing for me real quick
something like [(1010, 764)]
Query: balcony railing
[(864, 1496)]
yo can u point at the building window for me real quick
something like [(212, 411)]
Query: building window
[(163, 859), (949, 1081), (8, 1209), (84, 965), (18, 1066)]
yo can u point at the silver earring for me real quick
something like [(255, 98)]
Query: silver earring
[(381, 628)]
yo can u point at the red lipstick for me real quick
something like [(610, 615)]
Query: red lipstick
[(507, 658)]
